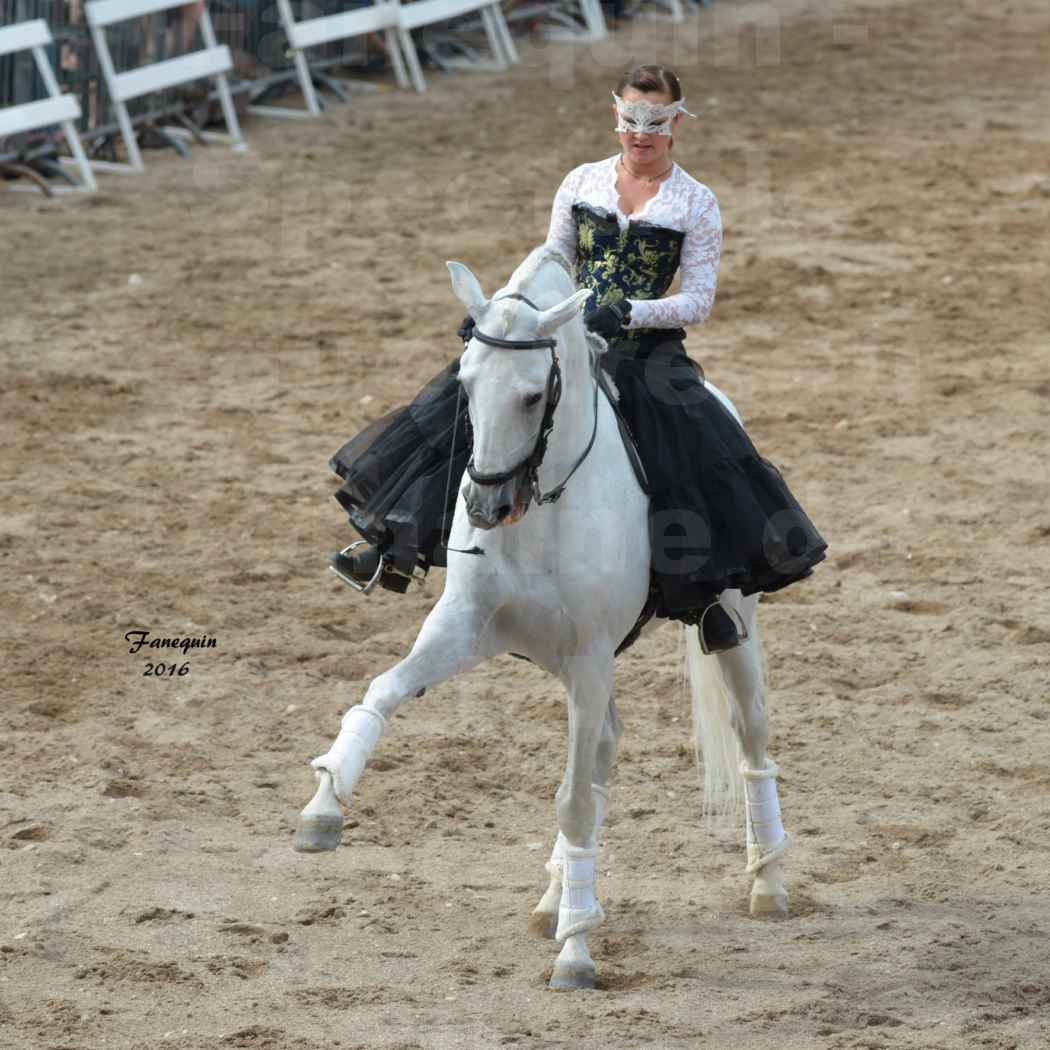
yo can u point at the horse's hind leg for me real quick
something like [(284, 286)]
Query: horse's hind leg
[(543, 922), (766, 839), (451, 640)]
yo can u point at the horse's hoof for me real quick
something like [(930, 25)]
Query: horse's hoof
[(769, 905), (543, 924), (318, 833), (572, 977)]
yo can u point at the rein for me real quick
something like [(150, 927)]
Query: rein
[(531, 464)]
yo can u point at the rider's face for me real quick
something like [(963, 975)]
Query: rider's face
[(646, 151)]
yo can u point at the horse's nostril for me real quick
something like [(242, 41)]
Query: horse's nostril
[(504, 511)]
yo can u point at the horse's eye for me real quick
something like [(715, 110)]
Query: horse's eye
[(531, 400)]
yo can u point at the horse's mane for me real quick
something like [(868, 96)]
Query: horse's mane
[(531, 265), (529, 268)]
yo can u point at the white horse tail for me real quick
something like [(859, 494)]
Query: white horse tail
[(715, 718)]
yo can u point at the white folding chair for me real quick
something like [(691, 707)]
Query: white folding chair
[(563, 22), (662, 10), (382, 16), (213, 61), (55, 109), (419, 13)]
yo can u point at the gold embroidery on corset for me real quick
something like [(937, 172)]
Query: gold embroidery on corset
[(637, 263)]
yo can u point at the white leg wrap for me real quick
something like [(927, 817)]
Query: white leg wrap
[(556, 865), (766, 839), (346, 758), (579, 910)]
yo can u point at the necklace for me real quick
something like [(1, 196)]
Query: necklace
[(645, 178)]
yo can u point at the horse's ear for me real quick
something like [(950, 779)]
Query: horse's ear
[(467, 289), (556, 316)]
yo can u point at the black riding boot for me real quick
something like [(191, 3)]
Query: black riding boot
[(359, 568), (718, 632)]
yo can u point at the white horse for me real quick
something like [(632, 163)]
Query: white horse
[(561, 583)]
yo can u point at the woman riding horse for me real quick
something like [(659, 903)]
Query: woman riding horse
[(720, 515)]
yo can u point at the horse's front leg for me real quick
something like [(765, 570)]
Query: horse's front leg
[(543, 922), (590, 687), (453, 639), (766, 838)]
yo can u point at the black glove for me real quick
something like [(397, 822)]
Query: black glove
[(466, 329), (608, 321)]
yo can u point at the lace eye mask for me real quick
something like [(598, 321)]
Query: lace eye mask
[(646, 118)]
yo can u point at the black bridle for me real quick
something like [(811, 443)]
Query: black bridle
[(531, 464)]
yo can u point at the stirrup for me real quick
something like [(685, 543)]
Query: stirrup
[(362, 588), (738, 622)]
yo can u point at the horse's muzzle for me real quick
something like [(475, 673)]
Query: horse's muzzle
[(489, 506)]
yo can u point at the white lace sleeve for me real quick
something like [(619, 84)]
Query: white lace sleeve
[(562, 233), (701, 251)]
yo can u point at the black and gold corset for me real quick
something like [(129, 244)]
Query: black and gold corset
[(636, 263)]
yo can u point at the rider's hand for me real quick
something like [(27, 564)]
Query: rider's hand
[(609, 321), (466, 329)]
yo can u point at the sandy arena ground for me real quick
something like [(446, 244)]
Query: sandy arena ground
[(882, 323)]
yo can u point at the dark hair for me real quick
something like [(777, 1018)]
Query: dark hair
[(651, 78)]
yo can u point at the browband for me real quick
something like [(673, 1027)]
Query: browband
[(515, 344)]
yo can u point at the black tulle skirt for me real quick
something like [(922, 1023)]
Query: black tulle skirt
[(399, 486), (720, 515)]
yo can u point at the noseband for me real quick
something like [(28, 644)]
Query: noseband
[(531, 464)]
